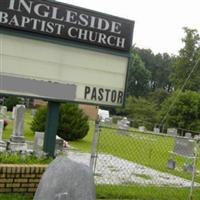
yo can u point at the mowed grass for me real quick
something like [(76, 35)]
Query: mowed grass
[(28, 134), (145, 193), (142, 148)]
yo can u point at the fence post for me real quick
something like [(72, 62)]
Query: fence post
[(194, 170), (94, 146)]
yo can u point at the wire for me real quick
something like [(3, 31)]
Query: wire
[(179, 92), (1, 60)]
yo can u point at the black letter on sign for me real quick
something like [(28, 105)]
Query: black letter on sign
[(120, 97), (100, 97), (113, 96), (94, 94), (87, 91)]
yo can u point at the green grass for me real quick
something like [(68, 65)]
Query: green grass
[(17, 158), (85, 144), (142, 148), (144, 193), (28, 134), (15, 197)]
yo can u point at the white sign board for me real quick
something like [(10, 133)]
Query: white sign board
[(47, 70)]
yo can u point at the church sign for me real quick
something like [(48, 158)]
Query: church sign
[(66, 21), (60, 52)]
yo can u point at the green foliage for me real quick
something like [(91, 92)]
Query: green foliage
[(39, 120), (160, 66), (142, 111), (17, 158), (182, 110), (187, 62), (158, 96), (11, 101), (135, 192), (138, 77), (73, 123), (14, 196)]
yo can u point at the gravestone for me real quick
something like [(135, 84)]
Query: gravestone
[(141, 128), (65, 179), (197, 137), (3, 110), (14, 112), (39, 141), (33, 112), (123, 125), (171, 164), (17, 141), (188, 135), (2, 143), (184, 147), (172, 131), (156, 130)]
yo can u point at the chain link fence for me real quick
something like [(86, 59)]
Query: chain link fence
[(132, 164)]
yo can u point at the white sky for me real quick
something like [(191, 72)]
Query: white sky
[(158, 23)]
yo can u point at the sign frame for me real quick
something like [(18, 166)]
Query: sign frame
[(35, 36), (110, 31)]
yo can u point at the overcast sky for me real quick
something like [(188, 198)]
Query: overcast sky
[(158, 23)]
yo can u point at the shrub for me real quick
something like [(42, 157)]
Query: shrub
[(73, 123), (39, 120), (11, 101)]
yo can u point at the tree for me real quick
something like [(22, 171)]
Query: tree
[(11, 101), (138, 77), (158, 96), (142, 111), (186, 71), (73, 123), (160, 66), (182, 110)]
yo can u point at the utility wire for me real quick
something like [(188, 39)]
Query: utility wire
[(179, 92)]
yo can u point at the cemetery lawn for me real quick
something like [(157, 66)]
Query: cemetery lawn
[(15, 197), (144, 193), (29, 135), (143, 148), (128, 193)]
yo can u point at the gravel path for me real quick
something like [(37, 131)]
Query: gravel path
[(113, 170)]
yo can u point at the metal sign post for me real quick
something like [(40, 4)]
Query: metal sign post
[(51, 128)]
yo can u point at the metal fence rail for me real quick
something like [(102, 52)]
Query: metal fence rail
[(145, 164)]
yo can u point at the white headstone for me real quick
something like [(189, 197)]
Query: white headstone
[(18, 127), (156, 130), (33, 112), (19, 121), (141, 128), (39, 141), (2, 143), (3, 110), (188, 135), (123, 124), (172, 131), (184, 147), (66, 179), (1, 128), (14, 112)]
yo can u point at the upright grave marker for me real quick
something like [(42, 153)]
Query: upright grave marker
[(17, 141), (2, 143), (86, 55)]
